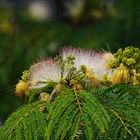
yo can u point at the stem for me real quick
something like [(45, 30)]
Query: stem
[(122, 122), (78, 101), (52, 94)]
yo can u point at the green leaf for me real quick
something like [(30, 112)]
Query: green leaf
[(25, 123)]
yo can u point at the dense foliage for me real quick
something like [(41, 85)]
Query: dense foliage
[(73, 97), (100, 113)]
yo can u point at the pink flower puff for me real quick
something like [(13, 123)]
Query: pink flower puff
[(96, 61), (49, 71)]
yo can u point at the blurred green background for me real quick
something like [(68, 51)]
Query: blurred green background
[(36, 29)]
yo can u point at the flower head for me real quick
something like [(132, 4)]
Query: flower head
[(96, 61), (120, 75), (21, 88), (44, 72)]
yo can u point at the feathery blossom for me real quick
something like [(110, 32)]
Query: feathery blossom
[(44, 72), (76, 69), (96, 61)]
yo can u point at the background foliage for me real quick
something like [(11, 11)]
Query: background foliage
[(104, 24)]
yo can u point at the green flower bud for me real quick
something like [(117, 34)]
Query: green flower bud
[(119, 52), (25, 75), (130, 61), (114, 63), (124, 60), (136, 55), (128, 52)]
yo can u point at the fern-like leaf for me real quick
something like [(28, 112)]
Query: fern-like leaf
[(71, 112), (122, 102), (27, 123)]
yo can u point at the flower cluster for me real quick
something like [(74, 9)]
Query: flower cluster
[(76, 69), (130, 57), (126, 65)]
